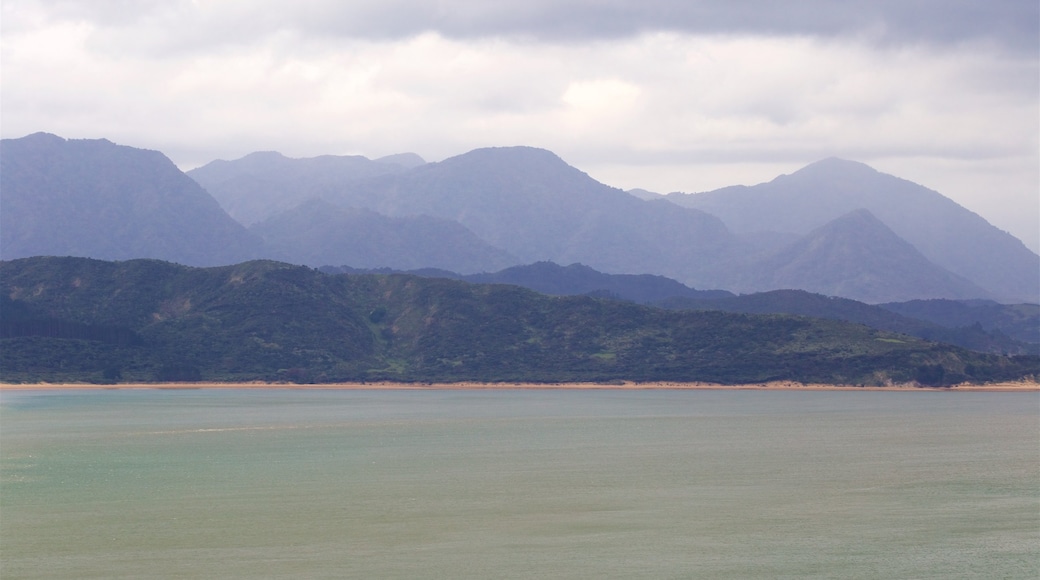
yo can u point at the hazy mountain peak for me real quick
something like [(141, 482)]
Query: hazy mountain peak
[(516, 157), (406, 160), (862, 228), (266, 183), (513, 152), (48, 142), (264, 156), (532, 204), (518, 168), (946, 233), (834, 182), (857, 256), (40, 138), (836, 166), (91, 197)]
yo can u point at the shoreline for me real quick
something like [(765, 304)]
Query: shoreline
[(1020, 386)]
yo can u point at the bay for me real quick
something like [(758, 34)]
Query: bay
[(519, 484)]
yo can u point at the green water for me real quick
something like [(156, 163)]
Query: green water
[(519, 484)]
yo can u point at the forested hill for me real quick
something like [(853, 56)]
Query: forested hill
[(77, 319)]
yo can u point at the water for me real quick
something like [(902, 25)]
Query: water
[(519, 484)]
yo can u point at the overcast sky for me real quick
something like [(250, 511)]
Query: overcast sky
[(665, 95)]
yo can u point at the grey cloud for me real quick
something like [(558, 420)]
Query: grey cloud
[(1011, 23)]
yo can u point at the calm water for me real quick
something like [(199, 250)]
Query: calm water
[(519, 484)]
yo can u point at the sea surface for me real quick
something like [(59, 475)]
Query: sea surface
[(519, 484)]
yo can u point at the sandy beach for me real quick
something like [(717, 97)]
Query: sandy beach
[(1018, 386)]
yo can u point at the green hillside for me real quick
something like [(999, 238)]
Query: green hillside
[(77, 319)]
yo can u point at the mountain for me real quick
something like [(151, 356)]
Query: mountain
[(944, 232), (263, 184), (532, 204), (89, 320), (1018, 321), (318, 233), (1001, 334), (644, 194), (574, 280), (979, 325), (497, 207), (405, 160), (857, 256), (986, 326), (94, 198)]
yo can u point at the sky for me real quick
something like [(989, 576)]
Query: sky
[(664, 95)]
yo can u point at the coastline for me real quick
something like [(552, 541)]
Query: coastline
[(1018, 386)]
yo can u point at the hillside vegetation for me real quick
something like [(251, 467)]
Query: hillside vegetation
[(983, 326), (76, 319)]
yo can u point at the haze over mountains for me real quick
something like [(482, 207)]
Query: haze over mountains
[(266, 183), (98, 199), (947, 234), (856, 256), (835, 227), (317, 233)]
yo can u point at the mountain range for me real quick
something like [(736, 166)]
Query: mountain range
[(266, 183), (553, 279), (536, 207), (980, 325), (944, 232), (79, 319), (318, 233), (836, 227), (530, 203)]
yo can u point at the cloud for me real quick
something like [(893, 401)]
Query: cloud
[(204, 24)]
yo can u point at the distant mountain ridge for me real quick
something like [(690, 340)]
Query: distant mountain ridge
[(982, 326), (858, 257), (947, 234), (1018, 321), (998, 329), (263, 184), (530, 203), (84, 197), (498, 207), (573, 280), (316, 233), (78, 319)]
